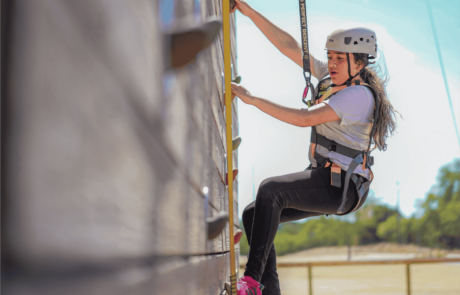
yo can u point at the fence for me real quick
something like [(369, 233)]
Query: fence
[(310, 265)]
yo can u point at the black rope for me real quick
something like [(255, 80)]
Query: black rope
[(306, 54)]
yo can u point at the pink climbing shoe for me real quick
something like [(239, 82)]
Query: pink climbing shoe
[(248, 286)]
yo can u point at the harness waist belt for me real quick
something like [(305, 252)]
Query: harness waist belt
[(336, 147)]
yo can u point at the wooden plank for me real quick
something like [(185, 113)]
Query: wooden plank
[(204, 275), (207, 8), (202, 161), (198, 275), (105, 212), (209, 90), (108, 169), (235, 190), (211, 87), (234, 52), (6, 19), (80, 175), (236, 221), (219, 58)]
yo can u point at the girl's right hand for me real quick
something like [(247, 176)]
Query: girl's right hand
[(243, 7)]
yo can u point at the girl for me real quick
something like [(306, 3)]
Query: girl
[(344, 123)]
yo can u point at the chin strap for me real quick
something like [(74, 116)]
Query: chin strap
[(350, 79)]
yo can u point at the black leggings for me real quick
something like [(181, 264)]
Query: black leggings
[(281, 199)]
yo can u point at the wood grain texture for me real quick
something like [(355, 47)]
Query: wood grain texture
[(83, 179), (203, 275), (236, 222), (192, 134), (98, 173), (108, 152), (5, 36)]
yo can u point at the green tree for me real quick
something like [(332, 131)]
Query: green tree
[(440, 224)]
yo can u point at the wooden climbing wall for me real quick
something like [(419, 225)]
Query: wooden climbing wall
[(105, 150)]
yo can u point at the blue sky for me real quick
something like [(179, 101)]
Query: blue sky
[(426, 137)]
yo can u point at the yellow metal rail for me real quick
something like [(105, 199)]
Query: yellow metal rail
[(228, 117), (407, 262)]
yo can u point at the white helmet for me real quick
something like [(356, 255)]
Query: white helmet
[(355, 40)]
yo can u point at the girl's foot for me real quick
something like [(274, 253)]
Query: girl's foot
[(247, 285)]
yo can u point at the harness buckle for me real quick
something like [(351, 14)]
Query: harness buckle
[(371, 160), (332, 147)]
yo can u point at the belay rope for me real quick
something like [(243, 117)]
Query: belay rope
[(306, 54)]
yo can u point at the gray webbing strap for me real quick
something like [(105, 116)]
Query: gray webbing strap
[(336, 147), (362, 186), (306, 54), (356, 161)]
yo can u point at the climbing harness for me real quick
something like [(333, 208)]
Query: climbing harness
[(359, 157), (356, 40), (306, 54)]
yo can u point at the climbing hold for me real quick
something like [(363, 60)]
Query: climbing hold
[(185, 43), (237, 80), (228, 288), (216, 224), (237, 236), (235, 172), (236, 142), (232, 5)]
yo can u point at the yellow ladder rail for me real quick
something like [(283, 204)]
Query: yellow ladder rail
[(228, 115)]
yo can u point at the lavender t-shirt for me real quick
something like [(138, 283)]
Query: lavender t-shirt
[(355, 107)]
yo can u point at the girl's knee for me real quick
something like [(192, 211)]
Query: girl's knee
[(266, 188)]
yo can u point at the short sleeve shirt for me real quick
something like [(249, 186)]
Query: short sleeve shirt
[(355, 107)]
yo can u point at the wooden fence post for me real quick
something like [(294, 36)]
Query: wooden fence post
[(310, 284), (408, 277)]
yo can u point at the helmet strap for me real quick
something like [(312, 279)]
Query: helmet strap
[(348, 82), (349, 68)]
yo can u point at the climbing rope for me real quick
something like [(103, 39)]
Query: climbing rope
[(446, 84), (228, 116)]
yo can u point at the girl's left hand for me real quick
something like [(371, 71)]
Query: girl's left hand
[(242, 93)]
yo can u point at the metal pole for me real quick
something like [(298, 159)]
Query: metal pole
[(408, 277), (310, 284), (398, 216)]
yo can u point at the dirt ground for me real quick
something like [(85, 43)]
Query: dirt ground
[(426, 279)]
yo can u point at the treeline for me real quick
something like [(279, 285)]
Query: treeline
[(438, 224)]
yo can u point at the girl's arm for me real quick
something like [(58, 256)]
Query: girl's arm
[(312, 116), (281, 39)]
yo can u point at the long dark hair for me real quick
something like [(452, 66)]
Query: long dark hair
[(377, 79)]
